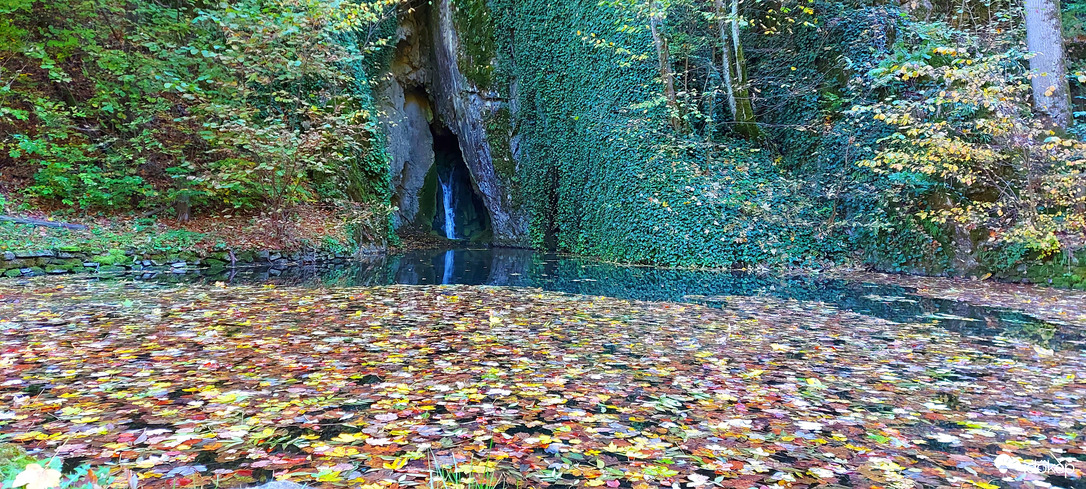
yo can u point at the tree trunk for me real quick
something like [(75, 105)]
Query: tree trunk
[(722, 24), (744, 115), (1048, 67), (39, 222), (666, 74), (736, 84), (181, 204)]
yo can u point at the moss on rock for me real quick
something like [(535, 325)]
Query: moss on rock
[(114, 256), (499, 132), (475, 29)]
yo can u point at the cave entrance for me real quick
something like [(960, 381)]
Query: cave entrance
[(460, 213)]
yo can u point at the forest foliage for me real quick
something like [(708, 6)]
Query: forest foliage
[(113, 105), (678, 132), (901, 136)]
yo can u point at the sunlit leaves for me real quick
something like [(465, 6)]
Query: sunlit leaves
[(967, 153)]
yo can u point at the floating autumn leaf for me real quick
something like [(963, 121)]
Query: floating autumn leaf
[(697, 480), (809, 426), (35, 476), (821, 473)]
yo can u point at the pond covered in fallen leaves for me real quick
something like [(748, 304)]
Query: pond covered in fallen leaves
[(559, 372), (525, 268)]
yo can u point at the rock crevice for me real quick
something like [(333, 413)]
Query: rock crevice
[(425, 88)]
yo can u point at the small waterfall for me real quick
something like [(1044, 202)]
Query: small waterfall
[(446, 278), (447, 201)]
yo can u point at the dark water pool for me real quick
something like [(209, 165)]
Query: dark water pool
[(526, 268)]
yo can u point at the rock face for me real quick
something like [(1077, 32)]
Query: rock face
[(462, 104), (405, 115), (411, 146), (425, 87)]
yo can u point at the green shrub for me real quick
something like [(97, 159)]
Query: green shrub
[(119, 105)]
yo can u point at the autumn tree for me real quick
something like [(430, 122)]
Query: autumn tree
[(1048, 66)]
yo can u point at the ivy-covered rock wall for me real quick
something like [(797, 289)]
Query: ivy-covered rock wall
[(602, 174)]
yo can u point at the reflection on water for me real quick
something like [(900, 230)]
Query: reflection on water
[(526, 268)]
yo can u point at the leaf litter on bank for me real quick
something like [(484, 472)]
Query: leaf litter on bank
[(395, 385)]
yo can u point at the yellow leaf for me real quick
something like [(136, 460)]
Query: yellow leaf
[(346, 438), (33, 435), (397, 464)]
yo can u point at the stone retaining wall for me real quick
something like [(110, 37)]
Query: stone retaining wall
[(62, 261)]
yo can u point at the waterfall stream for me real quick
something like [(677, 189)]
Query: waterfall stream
[(447, 201)]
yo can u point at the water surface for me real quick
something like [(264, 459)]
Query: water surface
[(559, 273)]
